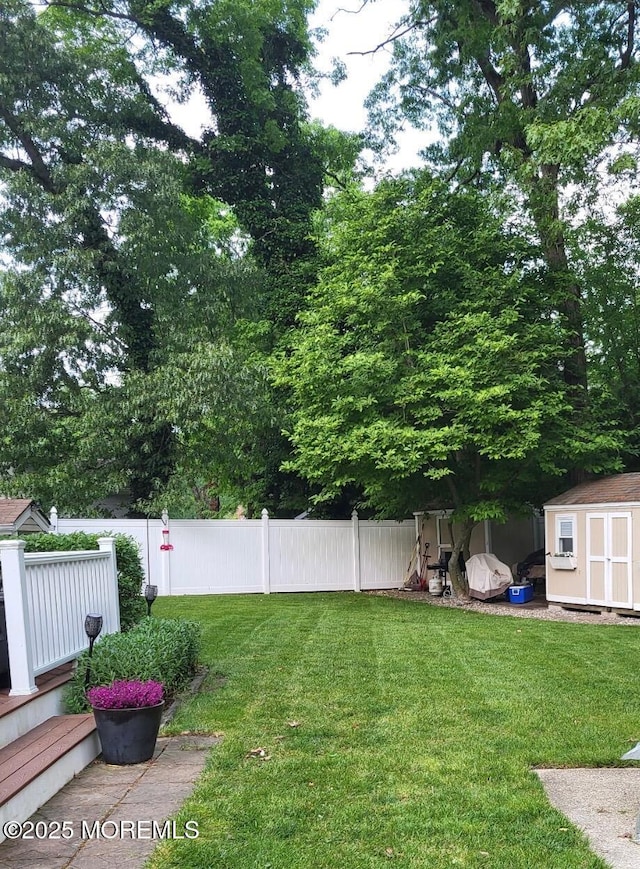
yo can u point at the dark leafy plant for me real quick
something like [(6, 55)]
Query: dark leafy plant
[(126, 694), (130, 572), (163, 650)]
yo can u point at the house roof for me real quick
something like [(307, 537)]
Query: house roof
[(617, 489), (21, 513)]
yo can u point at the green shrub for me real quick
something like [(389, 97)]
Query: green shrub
[(165, 650), (130, 571)]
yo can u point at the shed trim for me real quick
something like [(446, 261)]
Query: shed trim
[(565, 598), (604, 505), (582, 601)]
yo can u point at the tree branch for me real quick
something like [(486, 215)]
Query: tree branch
[(491, 76), (169, 31), (95, 13), (487, 8), (101, 327), (627, 54), (15, 165), (397, 34), (37, 167), (350, 11), (158, 127), (430, 92)]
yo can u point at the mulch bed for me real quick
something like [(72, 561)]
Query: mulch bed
[(536, 609)]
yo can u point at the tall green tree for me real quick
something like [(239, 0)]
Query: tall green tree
[(426, 369), (67, 183), (605, 251), (246, 59), (533, 91), (81, 420), (115, 237)]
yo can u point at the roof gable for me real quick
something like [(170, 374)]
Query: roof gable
[(18, 512), (617, 489)]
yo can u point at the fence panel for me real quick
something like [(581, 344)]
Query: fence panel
[(311, 555), (385, 550), (146, 532), (215, 556)]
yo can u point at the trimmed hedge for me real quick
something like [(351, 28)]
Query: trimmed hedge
[(165, 650), (130, 571)]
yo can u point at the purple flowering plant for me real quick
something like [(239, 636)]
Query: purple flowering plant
[(126, 694)]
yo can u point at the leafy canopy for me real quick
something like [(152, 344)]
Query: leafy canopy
[(426, 369), (132, 309)]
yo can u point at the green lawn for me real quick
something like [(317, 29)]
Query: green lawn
[(418, 728)]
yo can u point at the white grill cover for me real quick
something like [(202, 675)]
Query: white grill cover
[(487, 576)]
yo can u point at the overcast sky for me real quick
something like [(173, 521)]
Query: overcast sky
[(350, 30), (342, 106)]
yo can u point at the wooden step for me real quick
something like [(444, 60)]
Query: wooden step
[(22, 761)]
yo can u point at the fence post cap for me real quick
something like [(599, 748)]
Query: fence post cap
[(265, 513), (12, 544)]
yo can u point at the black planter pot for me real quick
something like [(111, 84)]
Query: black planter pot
[(128, 735)]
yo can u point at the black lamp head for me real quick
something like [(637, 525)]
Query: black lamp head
[(150, 593), (92, 625)]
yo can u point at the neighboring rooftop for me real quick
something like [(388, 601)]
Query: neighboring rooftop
[(21, 514), (617, 489)]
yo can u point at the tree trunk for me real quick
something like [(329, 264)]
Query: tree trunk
[(545, 208), (460, 545)]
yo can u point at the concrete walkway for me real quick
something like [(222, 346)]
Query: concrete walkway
[(114, 814), (604, 803)]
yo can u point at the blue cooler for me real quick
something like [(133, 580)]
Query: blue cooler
[(520, 593)]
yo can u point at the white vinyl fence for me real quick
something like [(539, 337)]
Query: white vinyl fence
[(47, 596), (265, 555)]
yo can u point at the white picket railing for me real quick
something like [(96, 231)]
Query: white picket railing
[(47, 596)]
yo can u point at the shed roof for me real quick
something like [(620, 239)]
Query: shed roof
[(16, 513), (617, 489)]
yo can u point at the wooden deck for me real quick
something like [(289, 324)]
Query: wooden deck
[(46, 682)]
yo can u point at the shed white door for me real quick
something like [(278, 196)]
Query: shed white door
[(609, 559)]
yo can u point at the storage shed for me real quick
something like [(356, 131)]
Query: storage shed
[(592, 535), (20, 516)]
